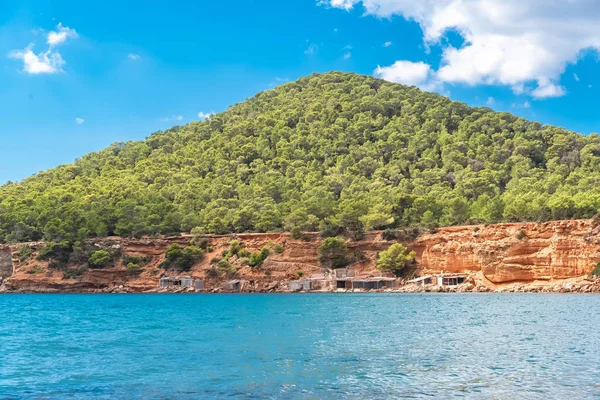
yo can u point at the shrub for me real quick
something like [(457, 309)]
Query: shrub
[(99, 259), (199, 240), (25, 253), (296, 232), (333, 253), (300, 274), (135, 259), (278, 249), (596, 220), (134, 269), (234, 247), (596, 271), (56, 253), (389, 234), (36, 269), (182, 259), (173, 252), (226, 267), (396, 257), (74, 273), (244, 253), (521, 235), (329, 231), (255, 259), (356, 235), (258, 257)]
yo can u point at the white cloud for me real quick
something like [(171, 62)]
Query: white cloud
[(133, 56), (202, 115), (408, 73), (490, 102), (387, 44), (79, 121), (522, 44), (46, 62), (347, 55), (547, 89), (61, 34), (312, 49), (576, 77)]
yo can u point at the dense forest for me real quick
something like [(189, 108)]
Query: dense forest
[(331, 152)]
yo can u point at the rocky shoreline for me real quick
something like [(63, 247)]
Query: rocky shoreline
[(582, 285)]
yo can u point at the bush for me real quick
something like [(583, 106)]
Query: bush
[(99, 259), (596, 271), (36, 269), (396, 257), (278, 249), (56, 253), (333, 253), (255, 259), (258, 257), (173, 253), (74, 273), (300, 274), (134, 269), (296, 232), (135, 259), (25, 253), (329, 231), (521, 235), (356, 235), (244, 253), (389, 234), (234, 247), (182, 259)]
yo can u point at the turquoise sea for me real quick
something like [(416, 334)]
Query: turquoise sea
[(355, 346)]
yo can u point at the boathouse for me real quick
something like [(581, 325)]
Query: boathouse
[(451, 280), (184, 281), (233, 286), (422, 280)]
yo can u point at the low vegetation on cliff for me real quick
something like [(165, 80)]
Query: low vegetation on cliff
[(332, 152)]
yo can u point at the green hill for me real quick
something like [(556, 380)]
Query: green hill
[(336, 151)]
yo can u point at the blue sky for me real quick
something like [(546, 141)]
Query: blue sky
[(104, 71)]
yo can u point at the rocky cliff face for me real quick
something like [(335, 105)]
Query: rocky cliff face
[(497, 254), (6, 263), (513, 252)]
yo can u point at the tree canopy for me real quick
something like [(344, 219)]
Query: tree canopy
[(335, 151)]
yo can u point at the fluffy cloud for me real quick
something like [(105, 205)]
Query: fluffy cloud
[(387, 44), (202, 115), (133, 56), (79, 121), (523, 44), (408, 73), (61, 34), (46, 62)]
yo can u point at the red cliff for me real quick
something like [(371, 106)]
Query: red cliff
[(498, 254)]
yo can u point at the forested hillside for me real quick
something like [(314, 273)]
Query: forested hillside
[(336, 151)]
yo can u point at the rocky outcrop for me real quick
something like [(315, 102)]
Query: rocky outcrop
[(498, 256), (513, 252), (6, 263)]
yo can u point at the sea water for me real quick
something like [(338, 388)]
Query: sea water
[(314, 346)]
